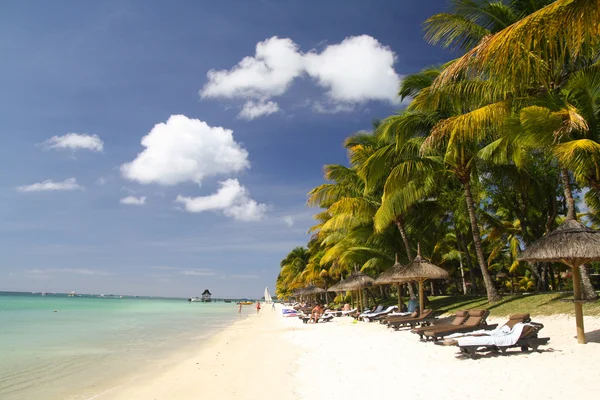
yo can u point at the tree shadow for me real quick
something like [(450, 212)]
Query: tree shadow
[(504, 302), (453, 303)]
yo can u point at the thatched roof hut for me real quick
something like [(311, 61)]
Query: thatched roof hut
[(421, 270), (356, 281), (312, 289), (392, 275), (573, 244)]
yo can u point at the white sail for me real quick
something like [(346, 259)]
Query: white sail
[(268, 298)]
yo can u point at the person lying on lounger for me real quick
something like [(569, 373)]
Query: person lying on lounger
[(316, 313)]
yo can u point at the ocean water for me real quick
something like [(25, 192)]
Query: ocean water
[(73, 348)]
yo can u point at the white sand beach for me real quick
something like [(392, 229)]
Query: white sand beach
[(268, 356)]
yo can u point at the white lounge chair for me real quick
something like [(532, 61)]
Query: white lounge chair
[(365, 313), (369, 317)]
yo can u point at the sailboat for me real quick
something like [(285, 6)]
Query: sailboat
[(268, 298)]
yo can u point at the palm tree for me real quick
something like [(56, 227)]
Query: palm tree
[(536, 49), (292, 267), (457, 135), (472, 20)]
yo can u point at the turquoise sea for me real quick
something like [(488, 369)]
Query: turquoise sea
[(58, 347)]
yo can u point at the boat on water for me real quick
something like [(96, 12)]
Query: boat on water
[(194, 299), (245, 303), (268, 298), (227, 301)]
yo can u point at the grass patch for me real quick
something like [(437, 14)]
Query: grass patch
[(535, 304)]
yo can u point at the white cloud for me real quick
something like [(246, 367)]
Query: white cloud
[(76, 271), (254, 109), (185, 149), (50, 185), (288, 220), (331, 108), (269, 73), (232, 199), (198, 272), (357, 70), (75, 141), (134, 201)]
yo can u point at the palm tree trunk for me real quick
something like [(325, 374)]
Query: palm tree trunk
[(492, 293), (587, 288), (400, 225), (564, 174), (588, 291), (462, 273), (474, 288), (411, 290)]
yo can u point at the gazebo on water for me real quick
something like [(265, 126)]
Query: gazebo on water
[(206, 296)]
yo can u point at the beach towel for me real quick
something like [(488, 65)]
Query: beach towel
[(501, 337)]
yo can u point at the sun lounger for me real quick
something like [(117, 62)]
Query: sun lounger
[(459, 318), (477, 320), (426, 317), (348, 312), (381, 314), (521, 335), (322, 318), (365, 313)]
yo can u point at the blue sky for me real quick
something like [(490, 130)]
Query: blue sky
[(214, 196)]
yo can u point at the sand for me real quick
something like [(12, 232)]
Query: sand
[(249, 360), (368, 360), (268, 356)]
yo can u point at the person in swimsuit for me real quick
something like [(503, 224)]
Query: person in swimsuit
[(257, 306), (316, 313)]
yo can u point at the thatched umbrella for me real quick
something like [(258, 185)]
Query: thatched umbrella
[(573, 244), (313, 289), (421, 270), (391, 276), (356, 281)]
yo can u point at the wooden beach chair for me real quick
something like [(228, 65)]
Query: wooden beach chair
[(426, 317), (476, 321), (528, 338), (459, 318)]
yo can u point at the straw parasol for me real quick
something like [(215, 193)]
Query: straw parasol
[(573, 244), (312, 289), (356, 281), (392, 276), (421, 270)]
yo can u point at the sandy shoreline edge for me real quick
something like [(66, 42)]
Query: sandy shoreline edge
[(235, 363), (268, 356)]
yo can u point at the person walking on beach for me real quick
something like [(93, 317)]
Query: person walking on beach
[(257, 306), (273, 306), (240, 308)]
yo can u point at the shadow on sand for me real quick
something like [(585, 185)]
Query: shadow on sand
[(592, 336)]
